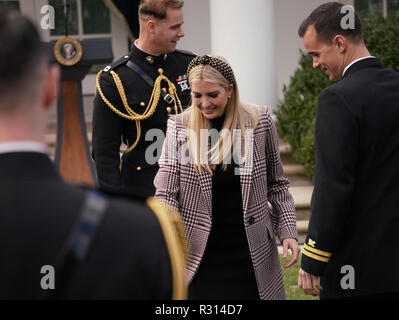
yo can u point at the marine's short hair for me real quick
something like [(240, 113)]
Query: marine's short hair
[(21, 52), (327, 20), (157, 8)]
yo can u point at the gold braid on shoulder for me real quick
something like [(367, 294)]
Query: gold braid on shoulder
[(152, 104)]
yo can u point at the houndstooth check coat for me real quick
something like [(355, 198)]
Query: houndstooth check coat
[(182, 187)]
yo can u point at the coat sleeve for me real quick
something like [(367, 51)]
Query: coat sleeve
[(336, 154), (107, 132), (167, 179), (283, 213)]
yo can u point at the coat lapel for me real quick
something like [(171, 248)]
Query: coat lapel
[(246, 168), (205, 180)]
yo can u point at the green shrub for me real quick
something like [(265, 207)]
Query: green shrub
[(296, 115), (381, 37)]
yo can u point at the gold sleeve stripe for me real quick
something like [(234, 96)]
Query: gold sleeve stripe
[(319, 252), (172, 229), (313, 256)]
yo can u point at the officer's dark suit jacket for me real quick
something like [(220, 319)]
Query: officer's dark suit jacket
[(136, 175), (355, 203), (128, 259)]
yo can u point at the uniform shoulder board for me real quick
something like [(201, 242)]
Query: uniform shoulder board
[(185, 52), (117, 63)]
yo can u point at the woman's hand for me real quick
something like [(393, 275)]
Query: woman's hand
[(291, 244)]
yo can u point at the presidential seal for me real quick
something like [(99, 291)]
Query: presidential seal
[(68, 51)]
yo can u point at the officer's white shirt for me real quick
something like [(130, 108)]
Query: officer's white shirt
[(357, 60), (23, 146), (135, 43)]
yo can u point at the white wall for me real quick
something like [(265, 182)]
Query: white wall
[(196, 27), (289, 15)]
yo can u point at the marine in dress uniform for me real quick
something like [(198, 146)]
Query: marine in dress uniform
[(126, 107), (87, 238)]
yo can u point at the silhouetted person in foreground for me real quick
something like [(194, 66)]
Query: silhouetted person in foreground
[(58, 241)]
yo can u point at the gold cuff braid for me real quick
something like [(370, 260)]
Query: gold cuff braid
[(151, 107)]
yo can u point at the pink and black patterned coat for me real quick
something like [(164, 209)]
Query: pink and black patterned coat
[(189, 192)]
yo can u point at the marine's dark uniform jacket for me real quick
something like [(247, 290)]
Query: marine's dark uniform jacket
[(136, 175), (129, 256), (354, 227)]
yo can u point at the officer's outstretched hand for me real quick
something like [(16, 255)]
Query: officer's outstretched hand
[(308, 282), (291, 244)]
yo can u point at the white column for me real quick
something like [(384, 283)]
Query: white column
[(243, 32), (384, 8), (196, 27)]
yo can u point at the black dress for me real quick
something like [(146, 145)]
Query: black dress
[(226, 270)]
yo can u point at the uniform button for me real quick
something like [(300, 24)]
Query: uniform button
[(165, 90), (126, 57), (169, 109), (160, 70), (251, 220), (142, 104), (138, 168)]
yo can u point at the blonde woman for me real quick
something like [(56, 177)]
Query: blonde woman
[(219, 167)]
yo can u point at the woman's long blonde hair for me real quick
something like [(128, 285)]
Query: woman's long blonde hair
[(236, 115)]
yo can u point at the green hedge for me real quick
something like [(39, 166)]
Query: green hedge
[(296, 115)]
